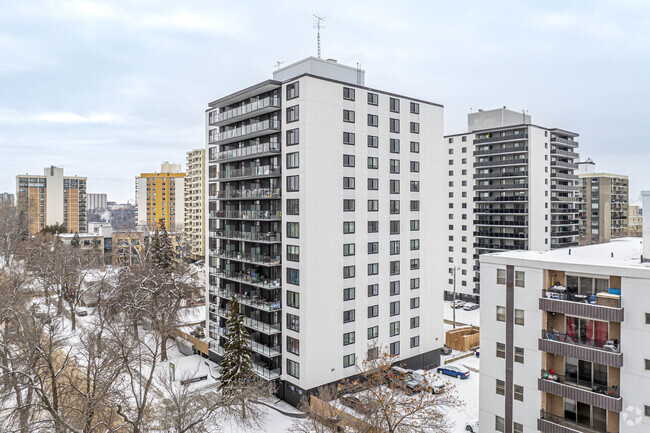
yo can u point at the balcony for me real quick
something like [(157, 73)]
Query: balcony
[(517, 161), (489, 234), (265, 170), (256, 259), (266, 328), (507, 150), (550, 423), (564, 141), (501, 199), (507, 174), (246, 131), (245, 214), (565, 153), (603, 352), (265, 372), (504, 186), (499, 247), (564, 176), (562, 222), (251, 301), (480, 222), (565, 187), (256, 347), (255, 108), (248, 194), (564, 233), (267, 238), (602, 306), (501, 138), (593, 394), (247, 152), (241, 277), (500, 211), (564, 199), (563, 164), (216, 348)]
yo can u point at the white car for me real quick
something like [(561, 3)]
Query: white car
[(457, 304), (472, 426)]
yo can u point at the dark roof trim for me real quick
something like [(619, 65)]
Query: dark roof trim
[(520, 125), (244, 91)]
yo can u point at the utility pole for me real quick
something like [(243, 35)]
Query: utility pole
[(317, 23), (453, 304)]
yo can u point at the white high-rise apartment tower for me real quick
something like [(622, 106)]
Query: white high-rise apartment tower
[(511, 186), (324, 214)]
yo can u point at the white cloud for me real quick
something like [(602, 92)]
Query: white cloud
[(67, 117), (189, 21)]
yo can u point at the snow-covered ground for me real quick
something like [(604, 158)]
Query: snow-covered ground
[(467, 392), (462, 316)]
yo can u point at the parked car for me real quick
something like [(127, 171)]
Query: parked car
[(445, 350), (433, 385), (457, 304), (454, 371), (403, 378), (469, 306), (82, 313), (355, 404), (198, 332), (472, 426)]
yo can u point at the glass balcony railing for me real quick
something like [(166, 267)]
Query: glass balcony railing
[(258, 259), (269, 124), (258, 193), (251, 300), (249, 151), (269, 101), (258, 281), (246, 214), (246, 236), (265, 170)]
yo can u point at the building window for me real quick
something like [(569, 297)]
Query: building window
[(394, 145), (415, 166), (647, 410), (394, 267), (415, 205), (293, 136), (415, 264), (348, 338), (501, 387), (293, 206), (520, 279), (519, 355), (501, 350), (373, 226), (293, 183), (293, 230), (394, 348), (373, 141), (415, 108), (348, 160), (373, 311), (394, 125), (394, 288), (394, 247), (349, 294), (293, 322), (499, 423), (292, 90), (415, 186), (373, 184), (394, 227), (517, 428), (293, 345), (373, 120), (501, 276), (373, 268), (415, 283), (394, 186), (373, 99), (394, 329), (415, 322), (394, 165), (415, 147), (348, 138), (519, 317), (293, 160), (348, 116), (293, 369), (292, 114), (348, 316), (415, 128), (348, 227), (348, 249), (415, 225), (293, 276), (519, 393), (293, 299), (348, 271), (373, 162), (348, 183), (293, 253), (373, 290), (394, 105), (415, 341), (373, 205), (348, 94), (348, 360), (501, 314), (415, 303), (373, 332), (394, 308)]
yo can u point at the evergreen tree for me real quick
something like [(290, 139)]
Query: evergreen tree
[(162, 251), (55, 229), (75, 242), (236, 365)]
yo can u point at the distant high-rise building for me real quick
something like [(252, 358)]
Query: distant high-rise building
[(52, 199), (195, 203), (161, 196), (7, 197), (511, 186), (634, 222), (95, 201), (603, 207)]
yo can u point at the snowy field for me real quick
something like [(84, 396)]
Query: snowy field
[(467, 317), (467, 391)]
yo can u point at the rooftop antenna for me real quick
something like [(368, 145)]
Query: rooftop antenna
[(358, 73), (317, 23), (277, 64)]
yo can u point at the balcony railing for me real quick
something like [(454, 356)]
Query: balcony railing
[(244, 152), (242, 131), (252, 301), (265, 372), (258, 193), (480, 222), (504, 186), (556, 151), (603, 306), (501, 211), (241, 277), (598, 388), (267, 351), (489, 234), (564, 164), (564, 176), (269, 237), (265, 170), (517, 161), (245, 214), (549, 422), (498, 247), (523, 173), (564, 233), (611, 345), (257, 259), (512, 198), (517, 149), (267, 328), (501, 138), (564, 141), (269, 101)]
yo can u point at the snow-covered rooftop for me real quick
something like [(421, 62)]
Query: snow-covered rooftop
[(620, 253)]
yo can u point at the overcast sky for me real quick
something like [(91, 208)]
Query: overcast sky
[(109, 89)]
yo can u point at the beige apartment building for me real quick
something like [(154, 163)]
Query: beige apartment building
[(194, 203), (52, 199), (604, 207), (634, 222)]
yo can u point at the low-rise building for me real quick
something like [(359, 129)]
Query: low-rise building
[(634, 222)]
